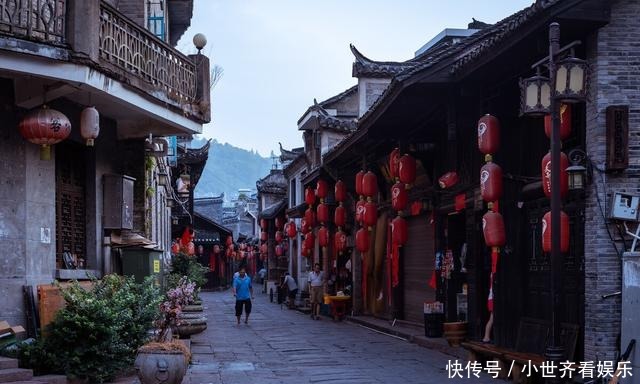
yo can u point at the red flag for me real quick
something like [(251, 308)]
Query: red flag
[(186, 236), (433, 281)]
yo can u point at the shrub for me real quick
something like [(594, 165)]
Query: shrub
[(98, 332), (185, 265)]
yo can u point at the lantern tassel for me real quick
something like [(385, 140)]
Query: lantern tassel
[(45, 152)]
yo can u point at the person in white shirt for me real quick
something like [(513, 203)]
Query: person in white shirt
[(316, 282), (292, 287)]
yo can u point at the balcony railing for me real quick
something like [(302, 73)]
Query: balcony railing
[(136, 50), (34, 19)]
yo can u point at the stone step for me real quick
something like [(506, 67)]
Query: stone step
[(15, 374), (6, 363), (25, 382), (52, 379)]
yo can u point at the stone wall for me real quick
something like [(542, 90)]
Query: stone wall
[(614, 80)]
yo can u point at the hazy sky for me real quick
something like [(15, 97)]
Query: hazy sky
[(278, 55)]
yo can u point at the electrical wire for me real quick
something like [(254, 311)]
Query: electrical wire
[(602, 211)]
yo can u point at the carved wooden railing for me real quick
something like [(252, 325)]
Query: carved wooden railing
[(34, 19), (136, 50)]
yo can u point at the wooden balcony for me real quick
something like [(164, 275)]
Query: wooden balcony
[(42, 20)]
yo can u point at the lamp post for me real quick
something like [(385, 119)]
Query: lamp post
[(539, 95)]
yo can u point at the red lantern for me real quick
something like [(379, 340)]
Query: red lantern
[(370, 216), (399, 231), (416, 208), (359, 177), (340, 191), (291, 229), (279, 222), (546, 175), (45, 126), (263, 236), (491, 182), (448, 180), (394, 163), (229, 240), (321, 189), (175, 247), (340, 241), (228, 252), (279, 236), (323, 213), (232, 247), (407, 169), (304, 227), (279, 250), (369, 184), (362, 240), (263, 224), (309, 196), (323, 236), (309, 240), (488, 134), (339, 216), (360, 211), (493, 229), (216, 249), (564, 232), (310, 218), (565, 122), (264, 249), (399, 198), (460, 202)]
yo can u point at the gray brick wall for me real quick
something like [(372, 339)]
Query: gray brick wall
[(614, 60)]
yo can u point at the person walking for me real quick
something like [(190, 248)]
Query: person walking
[(316, 282), (243, 292), (292, 287)]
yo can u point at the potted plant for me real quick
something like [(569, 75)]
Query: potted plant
[(165, 360)]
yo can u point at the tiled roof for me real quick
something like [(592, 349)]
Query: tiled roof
[(365, 67), (339, 96), (274, 183)]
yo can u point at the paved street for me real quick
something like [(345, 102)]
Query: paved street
[(283, 346)]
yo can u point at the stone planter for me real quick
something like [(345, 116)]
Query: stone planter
[(455, 332), (160, 367), (192, 308), (190, 324)]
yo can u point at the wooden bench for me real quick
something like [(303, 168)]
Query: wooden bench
[(529, 349)]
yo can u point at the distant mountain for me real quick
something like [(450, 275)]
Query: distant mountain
[(228, 169)]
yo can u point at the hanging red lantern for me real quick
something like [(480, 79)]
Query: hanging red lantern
[(263, 224), (369, 184), (323, 213), (232, 247), (264, 249), (89, 125), (460, 201), (263, 236), (493, 229), (360, 211), (309, 196), (565, 122), (228, 252), (229, 240), (370, 216), (399, 198), (279, 237), (359, 177), (399, 231), (362, 240), (564, 232), (279, 250), (546, 175), (340, 241), (304, 227), (323, 236), (407, 169), (321, 189), (45, 127), (340, 216), (394, 163), (448, 180), (310, 218), (216, 249), (491, 181), (340, 191), (279, 222), (291, 230), (488, 134), (416, 208), (309, 240)]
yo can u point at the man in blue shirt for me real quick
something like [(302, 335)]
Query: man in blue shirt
[(243, 292)]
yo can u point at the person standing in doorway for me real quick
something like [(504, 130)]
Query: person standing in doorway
[(316, 283), (292, 287), (243, 292)]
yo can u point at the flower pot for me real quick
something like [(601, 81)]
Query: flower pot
[(192, 308), (190, 325), (455, 332), (160, 367)]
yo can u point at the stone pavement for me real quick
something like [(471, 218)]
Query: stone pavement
[(284, 346)]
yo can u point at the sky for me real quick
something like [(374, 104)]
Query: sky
[(278, 55)]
